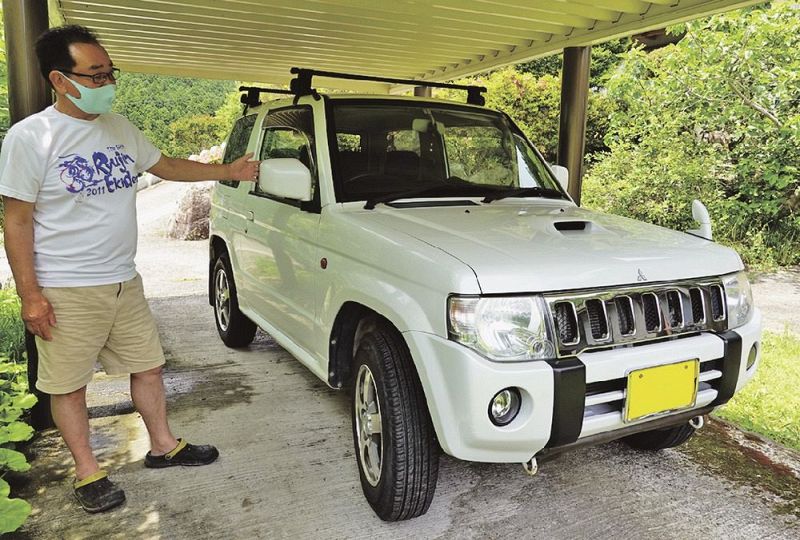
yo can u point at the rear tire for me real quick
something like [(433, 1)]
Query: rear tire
[(395, 443), (234, 328), (658, 439)]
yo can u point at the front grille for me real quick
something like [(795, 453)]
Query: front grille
[(627, 315)]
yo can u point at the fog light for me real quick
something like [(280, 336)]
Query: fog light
[(504, 406), (751, 358)]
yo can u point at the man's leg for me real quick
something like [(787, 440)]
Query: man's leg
[(72, 420), (149, 397)]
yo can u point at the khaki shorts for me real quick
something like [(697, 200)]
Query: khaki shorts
[(109, 323)]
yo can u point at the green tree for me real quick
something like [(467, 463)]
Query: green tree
[(192, 134), (716, 116), (154, 102), (534, 104), (606, 57)]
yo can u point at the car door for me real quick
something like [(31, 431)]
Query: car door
[(228, 213), (280, 252)]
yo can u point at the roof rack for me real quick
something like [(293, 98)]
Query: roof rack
[(301, 85), (253, 96)]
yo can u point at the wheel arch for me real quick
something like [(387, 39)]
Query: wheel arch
[(342, 342)]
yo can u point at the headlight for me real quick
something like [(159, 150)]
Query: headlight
[(738, 298), (502, 328)]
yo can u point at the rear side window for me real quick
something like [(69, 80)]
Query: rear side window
[(237, 142)]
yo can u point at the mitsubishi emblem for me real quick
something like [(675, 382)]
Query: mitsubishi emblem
[(641, 276)]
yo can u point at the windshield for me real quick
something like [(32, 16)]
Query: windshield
[(386, 151)]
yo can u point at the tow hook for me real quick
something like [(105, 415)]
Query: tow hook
[(697, 422), (531, 467)]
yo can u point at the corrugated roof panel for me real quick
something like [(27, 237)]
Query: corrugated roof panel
[(421, 39)]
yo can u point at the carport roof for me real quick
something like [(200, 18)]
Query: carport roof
[(438, 40)]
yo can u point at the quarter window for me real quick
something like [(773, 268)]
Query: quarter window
[(289, 133), (237, 142)]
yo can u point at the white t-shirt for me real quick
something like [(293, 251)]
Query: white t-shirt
[(81, 175)]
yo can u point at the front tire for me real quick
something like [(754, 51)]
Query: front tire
[(659, 439), (395, 444), (234, 328)]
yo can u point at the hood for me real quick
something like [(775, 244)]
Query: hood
[(549, 246)]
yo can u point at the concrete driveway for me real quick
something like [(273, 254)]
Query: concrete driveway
[(287, 468)]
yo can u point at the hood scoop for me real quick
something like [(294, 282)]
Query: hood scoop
[(573, 227)]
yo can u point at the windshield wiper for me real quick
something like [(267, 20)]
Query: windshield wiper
[(547, 193), (419, 192)]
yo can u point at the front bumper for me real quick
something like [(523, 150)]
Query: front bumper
[(567, 400)]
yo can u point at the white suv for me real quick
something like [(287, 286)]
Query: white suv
[(422, 254)]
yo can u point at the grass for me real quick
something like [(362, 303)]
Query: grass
[(770, 404)]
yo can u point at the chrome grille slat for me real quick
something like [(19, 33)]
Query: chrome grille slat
[(632, 314), (625, 315), (566, 319), (652, 312), (698, 305), (675, 313), (717, 303), (598, 320)]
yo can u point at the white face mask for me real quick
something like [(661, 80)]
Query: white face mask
[(94, 100)]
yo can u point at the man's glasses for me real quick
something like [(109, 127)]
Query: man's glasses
[(98, 78)]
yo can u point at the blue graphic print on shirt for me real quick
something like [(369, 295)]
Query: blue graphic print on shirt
[(107, 173)]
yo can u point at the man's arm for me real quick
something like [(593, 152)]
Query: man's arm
[(37, 312), (184, 170)]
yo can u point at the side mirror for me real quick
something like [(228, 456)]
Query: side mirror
[(700, 215), (562, 175), (285, 177)]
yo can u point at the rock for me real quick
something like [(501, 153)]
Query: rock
[(190, 221), (146, 180)]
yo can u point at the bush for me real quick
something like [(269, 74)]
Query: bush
[(714, 117), (535, 105), (14, 400), (189, 135)]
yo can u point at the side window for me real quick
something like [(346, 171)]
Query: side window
[(237, 142), (289, 133)]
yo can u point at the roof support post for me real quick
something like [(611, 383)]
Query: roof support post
[(423, 91), (572, 124), (24, 21)]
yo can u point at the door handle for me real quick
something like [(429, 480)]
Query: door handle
[(250, 216)]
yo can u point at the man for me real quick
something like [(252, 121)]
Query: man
[(68, 179)]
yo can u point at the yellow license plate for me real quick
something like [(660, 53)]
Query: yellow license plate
[(661, 389)]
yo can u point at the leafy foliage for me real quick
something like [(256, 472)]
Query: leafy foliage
[(191, 134), (14, 400), (4, 119), (154, 102), (716, 116), (534, 104), (605, 59)]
